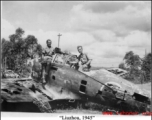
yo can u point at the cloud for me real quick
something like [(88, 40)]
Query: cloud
[(106, 30), (104, 35), (138, 39), (99, 7), (6, 29), (120, 21), (117, 27), (103, 46), (100, 52), (43, 18), (68, 40), (108, 6)]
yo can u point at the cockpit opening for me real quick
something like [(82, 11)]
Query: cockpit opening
[(67, 60), (82, 88), (141, 98), (84, 82), (53, 77)]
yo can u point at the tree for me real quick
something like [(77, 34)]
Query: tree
[(133, 62), (122, 66), (3, 41), (17, 36), (39, 49), (15, 50), (17, 47), (30, 44), (7, 48), (147, 66), (19, 32), (30, 40)]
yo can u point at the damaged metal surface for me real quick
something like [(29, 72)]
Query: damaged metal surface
[(66, 83)]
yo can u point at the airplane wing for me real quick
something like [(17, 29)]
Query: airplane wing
[(25, 93), (108, 77), (20, 90)]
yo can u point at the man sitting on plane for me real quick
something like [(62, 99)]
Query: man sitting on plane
[(46, 59), (84, 59)]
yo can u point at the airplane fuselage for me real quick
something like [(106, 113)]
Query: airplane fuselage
[(66, 80)]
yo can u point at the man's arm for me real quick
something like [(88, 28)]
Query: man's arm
[(43, 53), (78, 58), (89, 60)]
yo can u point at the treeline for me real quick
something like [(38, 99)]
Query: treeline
[(139, 69), (16, 50)]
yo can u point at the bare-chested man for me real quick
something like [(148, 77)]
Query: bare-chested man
[(84, 59), (47, 58)]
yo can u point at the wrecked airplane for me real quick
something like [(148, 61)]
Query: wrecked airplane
[(64, 82)]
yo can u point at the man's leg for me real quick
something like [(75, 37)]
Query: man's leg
[(76, 66), (47, 69), (43, 72), (86, 68), (89, 67)]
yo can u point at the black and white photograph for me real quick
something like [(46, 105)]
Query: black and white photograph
[(88, 58)]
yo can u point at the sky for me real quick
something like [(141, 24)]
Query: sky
[(106, 30)]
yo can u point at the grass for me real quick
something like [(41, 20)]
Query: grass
[(79, 111)]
